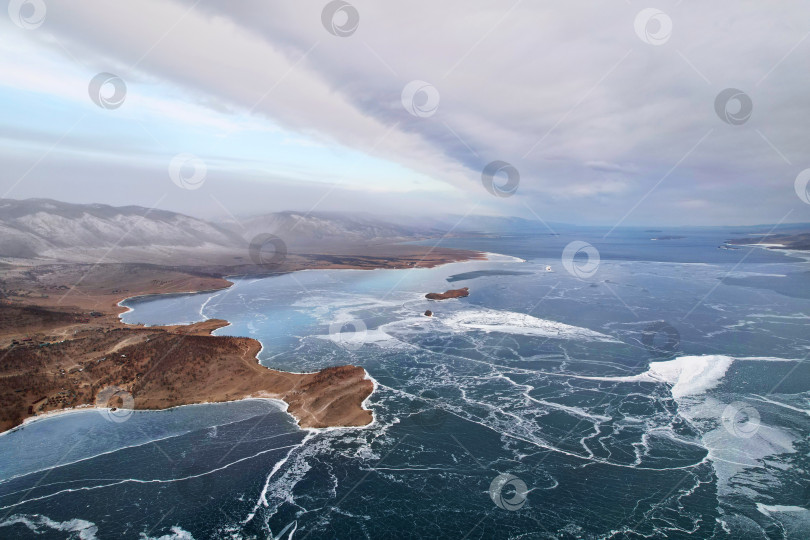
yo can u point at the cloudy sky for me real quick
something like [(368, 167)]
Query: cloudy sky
[(610, 112)]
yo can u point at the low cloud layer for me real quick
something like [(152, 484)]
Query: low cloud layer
[(608, 111)]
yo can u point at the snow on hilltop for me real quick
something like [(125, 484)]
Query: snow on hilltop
[(50, 229), (45, 229)]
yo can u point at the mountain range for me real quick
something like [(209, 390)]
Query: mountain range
[(45, 230), (33, 231)]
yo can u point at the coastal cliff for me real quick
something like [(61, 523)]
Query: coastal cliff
[(60, 358), (63, 345)]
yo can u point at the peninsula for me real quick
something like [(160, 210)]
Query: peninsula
[(63, 345)]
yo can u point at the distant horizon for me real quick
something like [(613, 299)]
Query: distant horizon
[(397, 219)]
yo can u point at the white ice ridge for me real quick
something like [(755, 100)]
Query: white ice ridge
[(499, 257), (509, 322), (122, 481), (39, 524), (177, 534), (770, 509), (688, 375)]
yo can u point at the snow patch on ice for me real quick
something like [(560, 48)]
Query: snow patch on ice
[(510, 322)]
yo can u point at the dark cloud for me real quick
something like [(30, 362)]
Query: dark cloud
[(594, 118)]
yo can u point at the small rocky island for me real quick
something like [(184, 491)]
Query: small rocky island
[(452, 293)]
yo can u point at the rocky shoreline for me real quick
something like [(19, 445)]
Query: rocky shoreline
[(64, 347)]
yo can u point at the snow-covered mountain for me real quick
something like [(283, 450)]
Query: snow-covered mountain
[(47, 229)]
